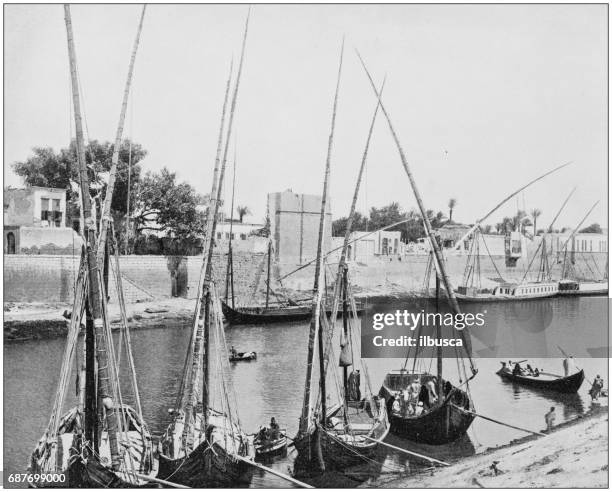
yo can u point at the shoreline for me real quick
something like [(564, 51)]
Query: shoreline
[(40, 321), (573, 455)]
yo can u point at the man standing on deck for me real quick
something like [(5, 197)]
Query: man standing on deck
[(569, 366)]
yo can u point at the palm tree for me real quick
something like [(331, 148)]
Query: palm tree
[(451, 205), (242, 211), (535, 213)]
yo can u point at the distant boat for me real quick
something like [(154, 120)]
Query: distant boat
[(509, 292), (547, 381), (586, 288), (242, 356), (277, 314)]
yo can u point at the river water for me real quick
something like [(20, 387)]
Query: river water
[(273, 385)]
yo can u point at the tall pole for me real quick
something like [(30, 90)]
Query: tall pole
[(268, 275), (345, 327), (229, 273), (439, 348), (440, 264), (317, 294), (108, 198), (104, 389)]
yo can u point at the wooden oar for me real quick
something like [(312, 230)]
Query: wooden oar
[(274, 472), (498, 421), (412, 453)]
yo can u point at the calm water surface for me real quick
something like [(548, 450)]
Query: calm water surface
[(273, 385)]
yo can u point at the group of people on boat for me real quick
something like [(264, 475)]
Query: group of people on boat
[(271, 433), (418, 397), (517, 370)]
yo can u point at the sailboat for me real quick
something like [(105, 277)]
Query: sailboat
[(205, 446), (573, 284), (102, 442), (284, 310), (450, 416), (346, 432), (543, 287)]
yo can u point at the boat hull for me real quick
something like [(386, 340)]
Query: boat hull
[(257, 315), (569, 384), (442, 424), (320, 450), (205, 466), (277, 447), (480, 298)]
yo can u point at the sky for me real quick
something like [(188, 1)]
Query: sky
[(483, 97)]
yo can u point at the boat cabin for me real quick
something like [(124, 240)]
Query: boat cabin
[(535, 289)]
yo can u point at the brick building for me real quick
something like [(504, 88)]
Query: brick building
[(294, 226)]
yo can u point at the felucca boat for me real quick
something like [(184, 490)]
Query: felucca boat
[(205, 445), (450, 416), (102, 442), (338, 431)]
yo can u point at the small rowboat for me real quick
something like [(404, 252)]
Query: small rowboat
[(243, 356), (546, 381), (270, 447)]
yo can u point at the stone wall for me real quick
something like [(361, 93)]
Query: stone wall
[(51, 278)]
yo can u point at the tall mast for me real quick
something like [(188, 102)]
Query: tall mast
[(428, 229), (229, 273), (317, 293), (108, 198), (104, 390), (439, 348), (268, 275)]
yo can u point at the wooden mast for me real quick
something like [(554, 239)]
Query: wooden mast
[(428, 229), (317, 293), (108, 198), (213, 224), (345, 328), (229, 273), (94, 298), (268, 280)]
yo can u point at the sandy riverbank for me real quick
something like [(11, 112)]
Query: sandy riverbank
[(26, 321), (574, 455)]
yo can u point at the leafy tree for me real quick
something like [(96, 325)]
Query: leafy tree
[(339, 225), (163, 205), (535, 213), (57, 169), (242, 211), (596, 228), (452, 203)]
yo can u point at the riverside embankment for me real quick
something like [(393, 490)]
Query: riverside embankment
[(573, 455)]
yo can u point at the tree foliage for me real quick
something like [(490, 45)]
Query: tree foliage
[(165, 206), (411, 227), (57, 169), (594, 228)]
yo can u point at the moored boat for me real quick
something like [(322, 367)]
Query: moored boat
[(273, 314), (508, 292), (266, 447), (443, 423)]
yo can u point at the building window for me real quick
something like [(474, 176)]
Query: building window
[(243, 237), (10, 243), (233, 236), (227, 235), (219, 235), (53, 216)]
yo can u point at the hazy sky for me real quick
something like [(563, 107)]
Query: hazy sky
[(508, 91)]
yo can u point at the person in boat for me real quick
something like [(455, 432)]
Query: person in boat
[(274, 429), (596, 388), (531, 371), (431, 388), (569, 366), (517, 370), (354, 384), (263, 434), (424, 397), (233, 352)]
